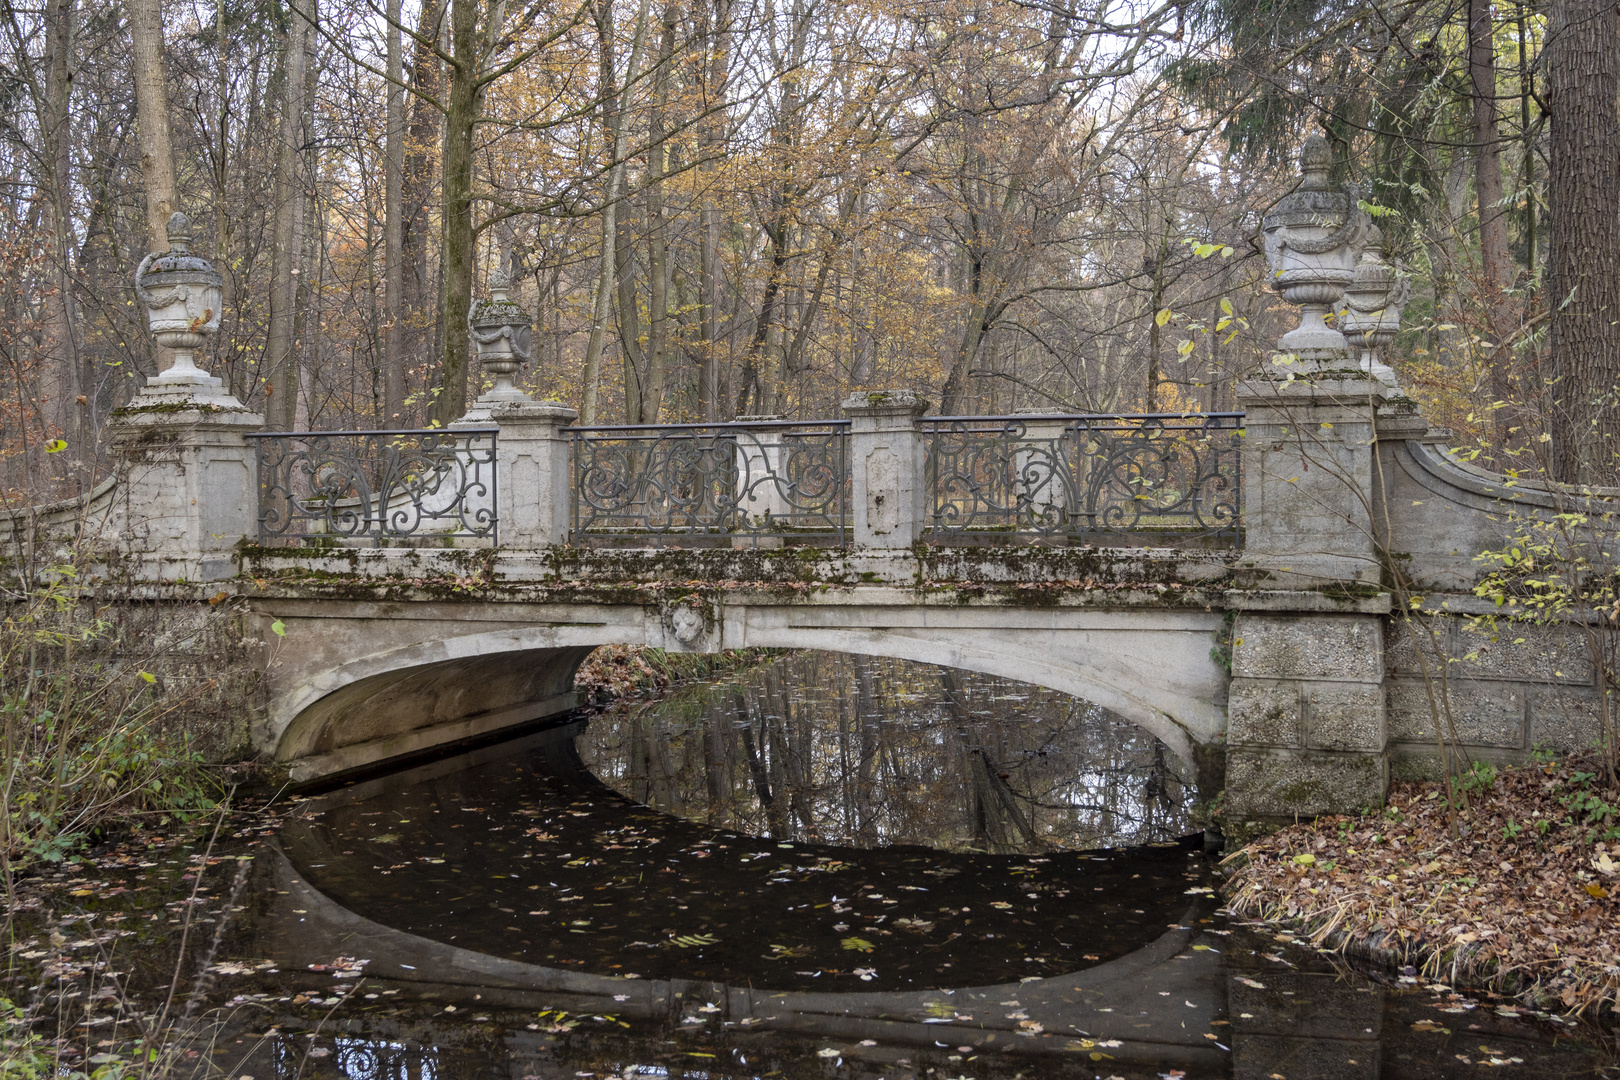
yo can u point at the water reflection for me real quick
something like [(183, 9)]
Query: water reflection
[(518, 852), (870, 752)]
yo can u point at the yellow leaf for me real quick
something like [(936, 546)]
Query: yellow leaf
[(1593, 889), (1163, 316), (56, 446), (1185, 347), (1226, 306), (147, 676)]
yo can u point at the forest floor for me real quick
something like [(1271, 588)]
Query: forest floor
[(1512, 884)]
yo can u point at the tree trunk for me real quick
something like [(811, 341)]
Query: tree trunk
[(614, 99), (955, 389), (1584, 264), (753, 386), (152, 120), (716, 74), (419, 186), (456, 245), (152, 117), (658, 266), (1496, 259), (66, 412), (281, 363), (393, 358), (607, 81), (630, 352)]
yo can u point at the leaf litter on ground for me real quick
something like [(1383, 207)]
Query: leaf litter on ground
[(1505, 901)]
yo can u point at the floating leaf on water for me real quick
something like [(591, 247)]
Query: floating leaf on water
[(789, 952), (855, 944), (693, 941)]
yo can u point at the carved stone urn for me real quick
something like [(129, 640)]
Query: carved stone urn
[(1371, 316), (1313, 237), (503, 332), (182, 294)]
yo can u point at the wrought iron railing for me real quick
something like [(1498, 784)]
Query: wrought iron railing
[(679, 483), (380, 487), (1166, 478)]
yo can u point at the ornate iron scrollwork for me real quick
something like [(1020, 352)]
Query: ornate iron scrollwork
[(381, 486), (1175, 477), (781, 480)]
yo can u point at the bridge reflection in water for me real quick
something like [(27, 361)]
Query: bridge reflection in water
[(517, 919), (870, 751)]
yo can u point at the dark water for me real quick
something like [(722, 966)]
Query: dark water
[(506, 914), (524, 856), (866, 752)]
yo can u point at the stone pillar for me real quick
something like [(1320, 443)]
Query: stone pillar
[(533, 481), (1308, 484), (532, 475), (889, 485), (189, 485), (1309, 480), (1306, 730)]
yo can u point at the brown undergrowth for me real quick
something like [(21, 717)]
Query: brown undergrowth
[(622, 670), (1518, 892)]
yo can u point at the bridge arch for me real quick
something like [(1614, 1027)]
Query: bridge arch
[(455, 680)]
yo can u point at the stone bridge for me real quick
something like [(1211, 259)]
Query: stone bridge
[(1280, 595)]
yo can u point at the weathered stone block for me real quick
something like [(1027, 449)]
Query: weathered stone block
[(1422, 761), (1264, 712), (1484, 713), (1402, 641), (1552, 654), (1344, 716), (1341, 647), (1565, 719), (1284, 783)]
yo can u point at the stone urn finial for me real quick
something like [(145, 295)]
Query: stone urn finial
[(1313, 237), (1315, 162), (503, 332), (182, 294), (1373, 304)]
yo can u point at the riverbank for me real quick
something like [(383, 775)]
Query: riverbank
[(617, 671), (1515, 892)]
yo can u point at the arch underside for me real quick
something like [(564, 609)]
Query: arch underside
[(1152, 668)]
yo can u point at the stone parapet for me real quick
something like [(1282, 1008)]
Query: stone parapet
[(888, 482)]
